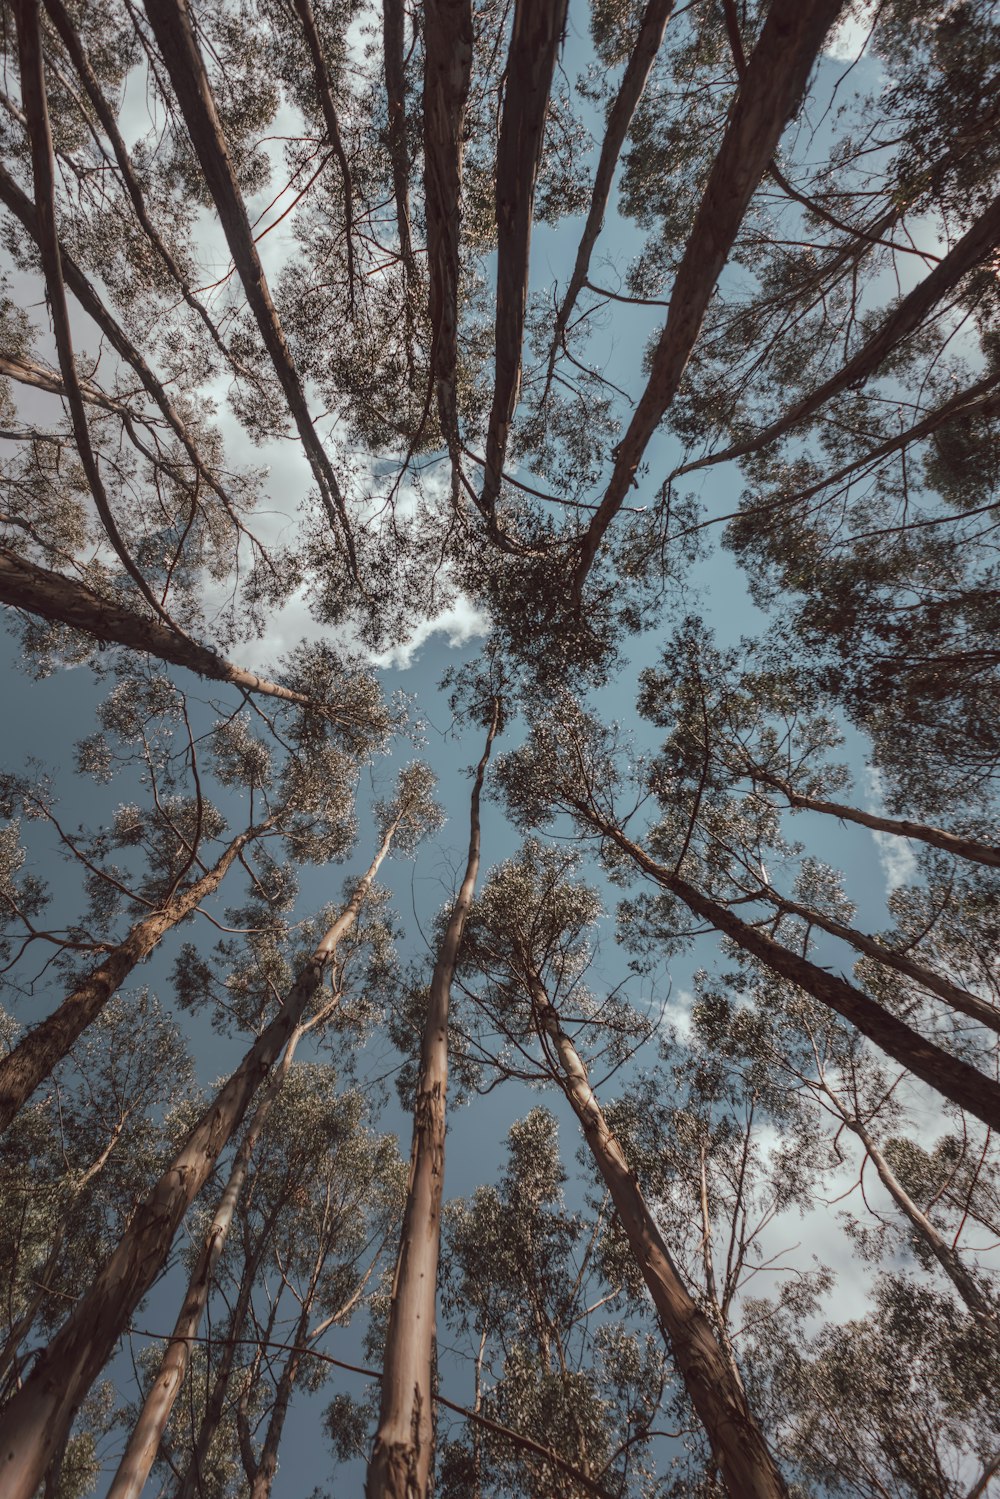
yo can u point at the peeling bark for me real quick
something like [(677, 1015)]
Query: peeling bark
[(748, 1470), (401, 1459), (775, 79), (535, 37)]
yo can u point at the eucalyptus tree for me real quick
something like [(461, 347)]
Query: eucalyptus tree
[(553, 1356), (528, 935)]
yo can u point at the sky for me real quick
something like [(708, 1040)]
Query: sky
[(44, 720)]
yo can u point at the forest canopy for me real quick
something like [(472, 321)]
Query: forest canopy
[(499, 845)]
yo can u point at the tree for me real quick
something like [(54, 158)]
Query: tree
[(647, 354)]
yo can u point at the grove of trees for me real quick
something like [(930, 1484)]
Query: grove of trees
[(499, 554)]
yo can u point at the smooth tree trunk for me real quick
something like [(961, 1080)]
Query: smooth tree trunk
[(448, 36), (947, 1256), (710, 1376), (775, 79), (38, 1053), (950, 843), (630, 91), (536, 34), (66, 601), (35, 1424), (946, 1074), (401, 1458), (394, 50), (175, 36), (144, 1443)]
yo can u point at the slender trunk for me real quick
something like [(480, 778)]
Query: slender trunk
[(143, 1444), (535, 37), (957, 1080), (949, 1259), (174, 32), (979, 241), (447, 72), (67, 601), (950, 843), (38, 1053), (71, 41), (741, 1453), (324, 89), (394, 45), (267, 1464), (36, 1420), (775, 79), (401, 1459), (630, 91), (953, 994)]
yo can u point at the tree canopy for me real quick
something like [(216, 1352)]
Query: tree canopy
[(498, 554)]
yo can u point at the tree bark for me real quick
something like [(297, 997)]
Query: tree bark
[(946, 1074), (394, 45), (906, 317), (949, 843), (66, 601), (630, 91), (748, 1470), (949, 1259), (535, 36), (401, 1459), (38, 1053), (324, 89), (775, 79), (447, 72), (171, 23), (143, 1444), (35, 1423)]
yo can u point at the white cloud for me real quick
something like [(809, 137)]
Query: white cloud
[(460, 622), (847, 40), (895, 854)]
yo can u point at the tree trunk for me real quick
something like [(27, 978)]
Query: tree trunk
[(950, 843), (67, 601), (535, 37), (957, 1080), (630, 91), (775, 79), (35, 1422), (38, 1053), (716, 1390), (143, 1444), (401, 1459), (447, 72), (394, 46), (172, 27), (949, 1259)]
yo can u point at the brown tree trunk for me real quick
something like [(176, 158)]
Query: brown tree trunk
[(535, 37), (35, 1423), (950, 843), (630, 91), (775, 79), (949, 1259), (447, 71), (953, 994), (35, 1056), (401, 1459), (175, 37), (394, 47), (748, 1470), (66, 601), (946, 1074), (143, 1444)]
